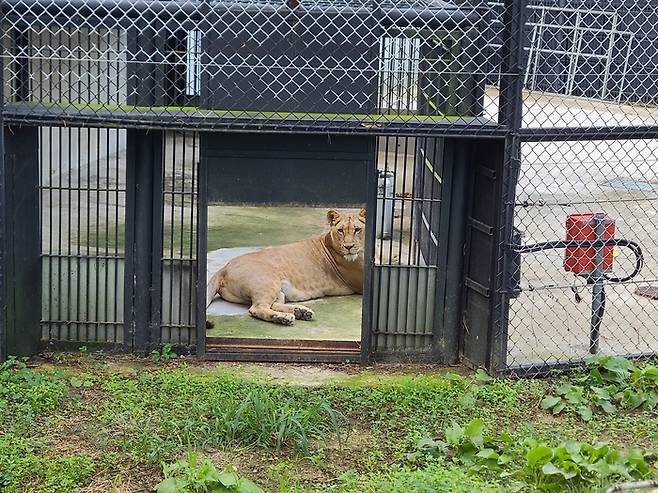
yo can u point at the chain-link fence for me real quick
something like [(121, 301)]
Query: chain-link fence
[(569, 85), (350, 64), (588, 131)]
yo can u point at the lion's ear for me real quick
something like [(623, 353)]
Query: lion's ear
[(362, 213), (333, 217)]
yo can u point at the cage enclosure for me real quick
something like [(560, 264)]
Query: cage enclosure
[(332, 58)]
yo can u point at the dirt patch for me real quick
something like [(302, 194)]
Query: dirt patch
[(133, 480)]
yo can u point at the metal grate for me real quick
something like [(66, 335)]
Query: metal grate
[(179, 233), (82, 186)]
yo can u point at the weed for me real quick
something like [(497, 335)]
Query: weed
[(437, 477), (611, 382), (224, 411), (165, 354), (193, 475), (25, 393), (546, 467)]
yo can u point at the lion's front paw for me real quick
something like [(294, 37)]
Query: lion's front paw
[(283, 319), (303, 313)]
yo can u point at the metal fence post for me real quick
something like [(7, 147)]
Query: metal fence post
[(143, 225), (202, 246), (368, 273), (3, 335), (510, 115)]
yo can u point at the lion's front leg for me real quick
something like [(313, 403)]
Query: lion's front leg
[(299, 311), (264, 312)]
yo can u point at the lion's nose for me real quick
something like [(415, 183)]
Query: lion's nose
[(349, 247)]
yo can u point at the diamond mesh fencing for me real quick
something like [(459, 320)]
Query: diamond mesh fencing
[(587, 172), (570, 85), (323, 64)]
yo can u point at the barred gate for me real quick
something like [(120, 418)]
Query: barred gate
[(493, 120)]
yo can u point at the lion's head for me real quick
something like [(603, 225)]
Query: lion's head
[(347, 233)]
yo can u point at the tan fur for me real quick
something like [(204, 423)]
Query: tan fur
[(330, 265)]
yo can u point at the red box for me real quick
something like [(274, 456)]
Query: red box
[(582, 260)]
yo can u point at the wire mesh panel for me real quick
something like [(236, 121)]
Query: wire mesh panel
[(179, 240), (560, 316), (348, 64), (587, 173), (82, 186), (590, 65)]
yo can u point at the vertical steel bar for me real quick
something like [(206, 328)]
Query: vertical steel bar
[(3, 206), (182, 263), (201, 246), (609, 53), (598, 289), (369, 262), (193, 228), (117, 245), (106, 220), (97, 269), (511, 115), (170, 254)]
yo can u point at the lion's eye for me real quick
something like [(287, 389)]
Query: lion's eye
[(340, 230), (357, 230)]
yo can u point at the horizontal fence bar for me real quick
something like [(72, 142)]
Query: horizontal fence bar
[(475, 128)]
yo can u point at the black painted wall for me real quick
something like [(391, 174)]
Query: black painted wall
[(21, 243), (316, 170)]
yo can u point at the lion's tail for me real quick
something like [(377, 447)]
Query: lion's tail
[(214, 284)]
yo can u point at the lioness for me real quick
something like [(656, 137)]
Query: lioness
[(330, 265)]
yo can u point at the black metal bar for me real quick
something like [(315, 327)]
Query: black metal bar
[(156, 231), (369, 258), (511, 115), (3, 207), (292, 356), (614, 132), (22, 79), (201, 246), (144, 163), (129, 269), (179, 120)]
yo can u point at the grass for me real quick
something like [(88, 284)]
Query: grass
[(91, 423)]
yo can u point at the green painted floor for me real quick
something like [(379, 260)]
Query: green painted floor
[(337, 318)]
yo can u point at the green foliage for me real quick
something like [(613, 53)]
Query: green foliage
[(437, 477), (535, 462), (164, 410), (610, 383), (192, 475), (166, 353), (23, 462), (25, 393)]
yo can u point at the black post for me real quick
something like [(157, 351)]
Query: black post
[(369, 267), (144, 161), (20, 311), (448, 306), (202, 245), (510, 115), (3, 333)]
